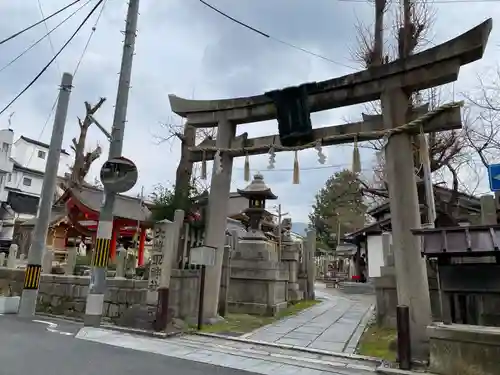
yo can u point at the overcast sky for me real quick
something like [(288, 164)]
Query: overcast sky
[(187, 49)]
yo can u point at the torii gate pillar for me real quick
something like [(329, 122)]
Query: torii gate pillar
[(411, 271), (216, 219)]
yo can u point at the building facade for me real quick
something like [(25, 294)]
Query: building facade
[(22, 168)]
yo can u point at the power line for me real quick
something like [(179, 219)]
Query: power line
[(268, 36), (39, 22), (89, 39), (53, 58), (43, 37), (74, 74), (53, 50)]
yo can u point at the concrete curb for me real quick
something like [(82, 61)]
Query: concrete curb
[(141, 332), (357, 357), (395, 371), (111, 327), (360, 328)]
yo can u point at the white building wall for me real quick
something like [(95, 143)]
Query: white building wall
[(6, 139), (28, 183), (375, 255), (34, 157), (20, 152)]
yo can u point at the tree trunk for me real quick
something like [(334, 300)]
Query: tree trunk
[(185, 168), (79, 155)]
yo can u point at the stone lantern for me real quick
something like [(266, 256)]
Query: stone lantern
[(258, 279), (257, 193)]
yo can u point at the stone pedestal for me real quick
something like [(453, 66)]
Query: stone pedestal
[(47, 259), (12, 258), (290, 257), (258, 280), (69, 268), (121, 259)]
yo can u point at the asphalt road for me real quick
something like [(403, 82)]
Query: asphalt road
[(28, 347)]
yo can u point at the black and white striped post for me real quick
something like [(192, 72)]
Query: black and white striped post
[(95, 298)]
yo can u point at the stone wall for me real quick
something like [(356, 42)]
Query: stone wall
[(484, 307), (387, 299), (66, 295), (185, 293), (464, 350)]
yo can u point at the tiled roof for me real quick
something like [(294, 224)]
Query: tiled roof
[(125, 206)]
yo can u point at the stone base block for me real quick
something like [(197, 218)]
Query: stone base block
[(249, 249), (458, 349), (295, 295), (256, 308)]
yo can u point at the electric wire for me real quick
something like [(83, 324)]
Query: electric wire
[(89, 39), (43, 37), (53, 50), (38, 23), (53, 58), (51, 112), (268, 36)]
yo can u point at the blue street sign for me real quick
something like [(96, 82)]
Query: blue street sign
[(494, 176)]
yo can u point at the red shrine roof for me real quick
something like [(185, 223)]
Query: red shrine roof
[(125, 207)]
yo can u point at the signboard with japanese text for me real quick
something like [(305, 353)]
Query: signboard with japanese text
[(203, 256), (159, 237)]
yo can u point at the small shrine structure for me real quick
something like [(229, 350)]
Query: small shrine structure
[(76, 215)]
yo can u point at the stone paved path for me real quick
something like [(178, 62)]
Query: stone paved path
[(335, 325), (254, 358)]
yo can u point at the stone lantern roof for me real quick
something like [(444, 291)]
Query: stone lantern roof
[(257, 189)]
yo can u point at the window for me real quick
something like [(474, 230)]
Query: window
[(26, 181), (41, 154), (5, 147), (9, 177)]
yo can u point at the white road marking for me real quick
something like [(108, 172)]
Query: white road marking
[(52, 327)]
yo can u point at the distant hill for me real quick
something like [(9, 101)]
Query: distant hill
[(299, 228)]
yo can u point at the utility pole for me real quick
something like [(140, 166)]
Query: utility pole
[(95, 297), (29, 295)]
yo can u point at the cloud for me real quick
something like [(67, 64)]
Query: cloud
[(187, 49)]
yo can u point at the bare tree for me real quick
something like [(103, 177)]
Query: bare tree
[(483, 130), (83, 160), (411, 23), (186, 178)]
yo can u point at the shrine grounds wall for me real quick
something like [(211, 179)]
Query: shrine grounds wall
[(387, 300), (65, 295), (487, 305)]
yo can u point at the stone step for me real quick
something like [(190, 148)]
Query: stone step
[(356, 288), (293, 356)]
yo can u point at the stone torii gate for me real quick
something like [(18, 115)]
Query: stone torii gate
[(391, 83)]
